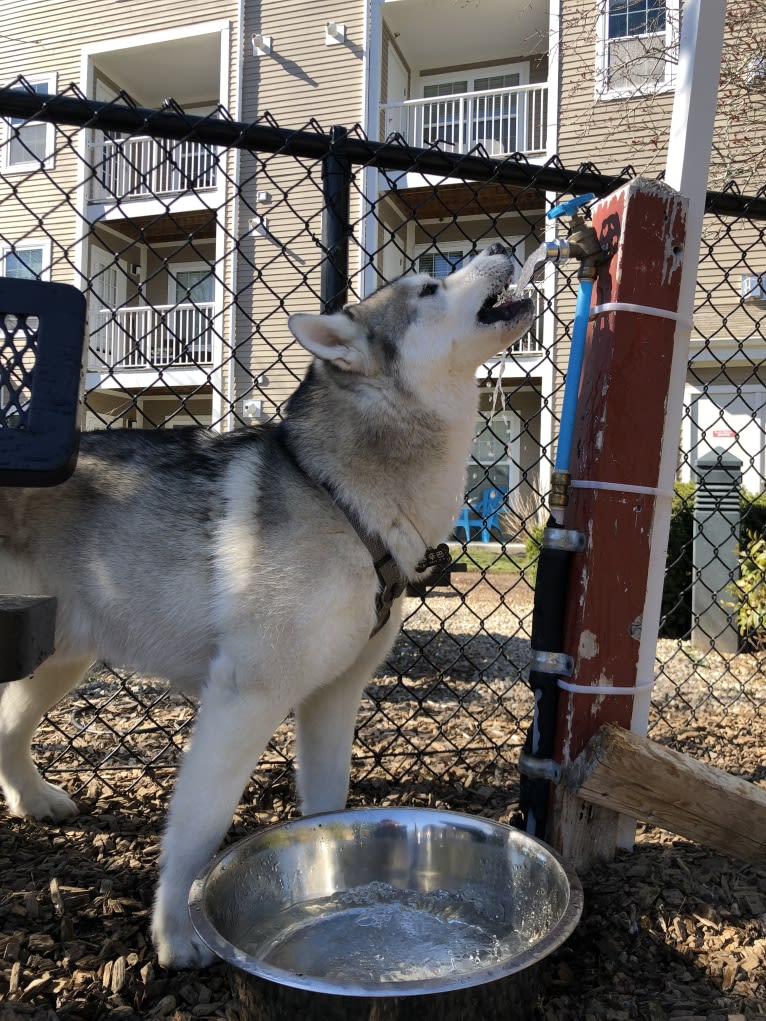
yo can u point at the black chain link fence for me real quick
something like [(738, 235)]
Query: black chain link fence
[(194, 238)]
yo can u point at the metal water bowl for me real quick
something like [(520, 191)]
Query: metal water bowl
[(385, 902)]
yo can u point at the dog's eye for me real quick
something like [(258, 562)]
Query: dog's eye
[(428, 290)]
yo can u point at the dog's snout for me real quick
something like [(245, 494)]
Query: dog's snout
[(497, 249)]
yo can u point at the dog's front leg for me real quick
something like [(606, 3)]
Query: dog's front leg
[(232, 730), (325, 726)]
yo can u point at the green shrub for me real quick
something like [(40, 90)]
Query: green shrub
[(532, 546), (676, 618), (677, 592), (676, 613), (750, 590), (753, 512)]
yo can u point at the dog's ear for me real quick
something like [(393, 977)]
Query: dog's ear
[(335, 338)]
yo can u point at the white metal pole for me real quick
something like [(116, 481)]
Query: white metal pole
[(688, 163)]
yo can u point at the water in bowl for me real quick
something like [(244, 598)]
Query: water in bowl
[(379, 933)]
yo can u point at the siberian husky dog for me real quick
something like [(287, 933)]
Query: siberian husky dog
[(259, 569)]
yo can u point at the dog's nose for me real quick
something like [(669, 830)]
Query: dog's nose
[(496, 249)]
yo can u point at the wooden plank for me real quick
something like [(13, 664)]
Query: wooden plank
[(617, 442), (626, 773)]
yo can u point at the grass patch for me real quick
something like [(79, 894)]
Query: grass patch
[(478, 559)]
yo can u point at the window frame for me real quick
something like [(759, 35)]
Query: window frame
[(672, 35), (521, 68), (13, 248), (513, 241), (174, 268), (509, 464), (50, 80)]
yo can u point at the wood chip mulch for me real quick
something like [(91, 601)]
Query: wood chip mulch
[(669, 931)]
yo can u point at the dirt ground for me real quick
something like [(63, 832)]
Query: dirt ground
[(669, 931)]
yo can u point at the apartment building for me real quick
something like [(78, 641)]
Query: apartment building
[(618, 63), (182, 248), (191, 256)]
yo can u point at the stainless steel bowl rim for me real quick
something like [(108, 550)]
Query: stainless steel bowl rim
[(232, 955)]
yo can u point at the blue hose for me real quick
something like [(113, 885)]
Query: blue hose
[(574, 371)]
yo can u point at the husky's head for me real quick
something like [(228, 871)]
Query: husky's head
[(422, 327)]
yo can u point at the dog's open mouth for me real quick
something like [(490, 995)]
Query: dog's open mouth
[(503, 306)]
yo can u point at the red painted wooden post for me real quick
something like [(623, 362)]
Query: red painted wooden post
[(617, 440)]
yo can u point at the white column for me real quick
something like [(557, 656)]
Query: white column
[(688, 162)]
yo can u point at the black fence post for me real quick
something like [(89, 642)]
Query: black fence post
[(336, 226)]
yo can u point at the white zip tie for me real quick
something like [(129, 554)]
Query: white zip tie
[(606, 689), (644, 310), (621, 487)]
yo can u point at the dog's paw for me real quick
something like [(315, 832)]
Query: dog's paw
[(43, 801), (179, 950), (176, 941)]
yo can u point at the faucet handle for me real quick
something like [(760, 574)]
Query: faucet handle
[(570, 206)]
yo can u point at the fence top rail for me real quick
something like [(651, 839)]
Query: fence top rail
[(123, 115), (266, 136)]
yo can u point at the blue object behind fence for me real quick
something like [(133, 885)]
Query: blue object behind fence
[(483, 515)]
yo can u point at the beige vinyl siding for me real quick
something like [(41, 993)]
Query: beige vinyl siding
[(617, 132), (50, 37), (35, 211), (48, 34), (719, 314), (611, 133), (304, 79)]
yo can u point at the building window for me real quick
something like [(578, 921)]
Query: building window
[(28, 260), (440, 259), (29, 144), (494, 461), (441, 263), (638, 46)]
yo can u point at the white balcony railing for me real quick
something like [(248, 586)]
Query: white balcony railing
[(150, 336), (144, 167), (502, 120), (530, 343)]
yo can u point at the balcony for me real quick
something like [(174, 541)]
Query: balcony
[(530, 343), (152, 337), (145, 168), (527, 353), (503, 121)]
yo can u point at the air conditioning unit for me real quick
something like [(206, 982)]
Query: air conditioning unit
[(752, 288)]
